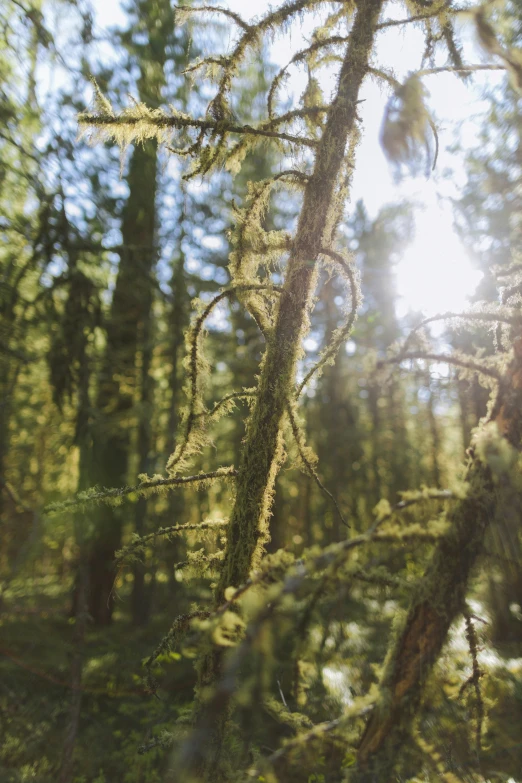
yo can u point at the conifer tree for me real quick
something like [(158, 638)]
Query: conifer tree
[(20, 263), (282, 314), (129, 325), (489, 216)]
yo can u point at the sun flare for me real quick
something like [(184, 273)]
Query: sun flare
[(435, 274)]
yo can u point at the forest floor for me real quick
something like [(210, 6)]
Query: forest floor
[(118, 714)]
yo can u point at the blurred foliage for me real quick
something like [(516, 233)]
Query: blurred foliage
[(381, 439)]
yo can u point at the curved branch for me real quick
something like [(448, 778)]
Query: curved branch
[(465, 364), (301, 447), (349, 273), (216, 9), (242, 395), (85, 498), (299, 57), (178, 454), (472, 316)]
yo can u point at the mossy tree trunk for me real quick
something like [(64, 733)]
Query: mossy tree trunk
[(248, 529), (249, 524), (440, 597)]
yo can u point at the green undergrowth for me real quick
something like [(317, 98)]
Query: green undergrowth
[(118, 714)]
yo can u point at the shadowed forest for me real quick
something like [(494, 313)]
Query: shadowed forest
[(260, 466)]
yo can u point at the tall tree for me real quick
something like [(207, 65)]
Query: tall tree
[(330, 143), (129, 324), (489, 216)]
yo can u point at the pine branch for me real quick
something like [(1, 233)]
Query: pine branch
[(138, 543), (127, 125), (84, 499)]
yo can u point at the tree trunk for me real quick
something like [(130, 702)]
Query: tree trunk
[(248, 529), (440, 597), (259, 460), (66, 774), (130, 310), (140, 601)]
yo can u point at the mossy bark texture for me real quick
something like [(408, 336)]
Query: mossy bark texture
[(441, 595), (248, 529)]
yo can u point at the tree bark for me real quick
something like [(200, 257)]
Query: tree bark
[(130, 310), (248, 529), (131, 306), (140, 599), (441, 594)]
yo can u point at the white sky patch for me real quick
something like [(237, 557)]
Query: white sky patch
[(435, 274), (350, 347), (336, 680), (310, 344)]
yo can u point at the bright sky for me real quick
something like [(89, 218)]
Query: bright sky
[(436, 254)]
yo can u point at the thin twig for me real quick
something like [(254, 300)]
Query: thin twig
[(120, 492)]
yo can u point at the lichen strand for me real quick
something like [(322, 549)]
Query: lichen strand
[(249, 522), (440, 597)]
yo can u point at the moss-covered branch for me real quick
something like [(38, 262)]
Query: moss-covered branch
[(143, 489), (457, 361), (440, 596), (193, 438), (259, 462), (139, 123), (136, 548)]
